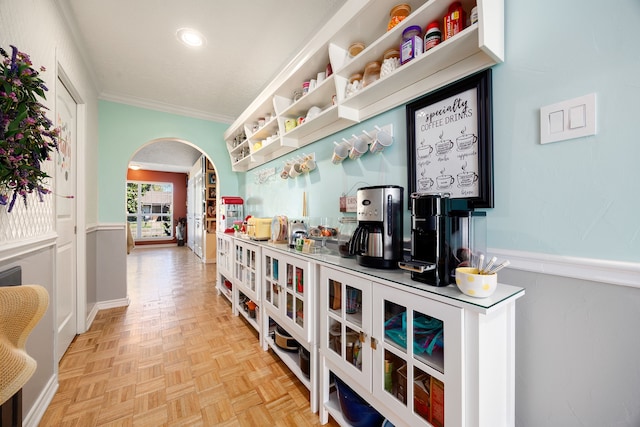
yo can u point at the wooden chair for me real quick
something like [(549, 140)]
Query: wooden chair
[(21, 308)]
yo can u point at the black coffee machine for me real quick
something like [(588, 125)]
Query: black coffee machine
[(445, 234), (377, 242)]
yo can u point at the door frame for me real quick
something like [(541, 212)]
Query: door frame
[(80, 214)]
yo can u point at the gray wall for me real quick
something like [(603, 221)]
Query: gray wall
[(577, 348), (37, 265)]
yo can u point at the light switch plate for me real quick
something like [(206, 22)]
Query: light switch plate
[(569, 119)]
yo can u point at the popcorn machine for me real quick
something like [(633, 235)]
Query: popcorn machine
[(230, 212)]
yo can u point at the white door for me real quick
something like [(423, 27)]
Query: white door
[(190, 212), (198, 215), (65, 186)]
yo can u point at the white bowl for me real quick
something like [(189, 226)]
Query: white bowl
[(476, 285)]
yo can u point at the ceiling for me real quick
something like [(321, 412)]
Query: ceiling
[(135, 57)]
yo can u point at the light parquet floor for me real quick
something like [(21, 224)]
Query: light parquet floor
[(175, 357)]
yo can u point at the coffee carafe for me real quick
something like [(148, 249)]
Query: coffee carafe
[(377, 241), (445, 234)]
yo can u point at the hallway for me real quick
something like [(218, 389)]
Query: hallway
[(175, 357)]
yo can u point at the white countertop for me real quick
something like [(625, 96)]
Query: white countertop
[(402, 279)]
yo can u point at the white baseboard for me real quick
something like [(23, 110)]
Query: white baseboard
[(91, 317), (597, 270), (102, 305), (33, 418)]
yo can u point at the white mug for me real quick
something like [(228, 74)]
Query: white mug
[(340, 152), (382, 140), (359, 147), (321, 76), (312, 84)]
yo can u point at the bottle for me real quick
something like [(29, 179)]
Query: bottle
[(411, 46), (432, 36), (397, 14), (454, 20), (390, 61)]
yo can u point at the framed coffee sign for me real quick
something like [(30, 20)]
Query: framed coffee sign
[(450, 141)]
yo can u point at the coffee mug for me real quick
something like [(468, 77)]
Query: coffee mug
[(358, 148), (289, 124), (321, 76), (295, 171), (340, 152), (381, 141), (308, 165)]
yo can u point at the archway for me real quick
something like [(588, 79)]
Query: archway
[(183, 165)]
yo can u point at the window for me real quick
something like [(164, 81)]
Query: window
[(150, 209)]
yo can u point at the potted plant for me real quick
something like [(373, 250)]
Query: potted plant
[(27, 136)]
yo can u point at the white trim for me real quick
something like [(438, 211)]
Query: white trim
[(21, 247), (166, 108), (91, 228), (91, 317), (33, 418), (111, 226), (597, 270), (114, 303)]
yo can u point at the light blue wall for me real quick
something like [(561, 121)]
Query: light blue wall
[(576, 198), (124, 129)]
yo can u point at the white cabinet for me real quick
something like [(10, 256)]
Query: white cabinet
[(417, 359), (477, 47), (247, 282), (288, 295), (345, 323), (224, 261)]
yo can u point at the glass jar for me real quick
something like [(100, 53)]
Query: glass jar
[(371, 73), (390, 61), (411, 44), (354, 85), (355, 49), (346, 228), (397, 14)]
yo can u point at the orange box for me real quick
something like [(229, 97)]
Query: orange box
[(437, 402), (421, 401)]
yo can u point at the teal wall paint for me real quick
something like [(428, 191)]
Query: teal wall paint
[(573, 198), (123, 129)]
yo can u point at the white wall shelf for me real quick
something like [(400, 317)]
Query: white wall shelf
[(478, 47)]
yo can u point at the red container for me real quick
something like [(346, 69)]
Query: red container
[(454, 21)]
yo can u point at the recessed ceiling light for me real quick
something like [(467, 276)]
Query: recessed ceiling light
[(190, 37), (134, 166)]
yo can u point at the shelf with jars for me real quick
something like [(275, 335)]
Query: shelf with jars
[(330, 57)]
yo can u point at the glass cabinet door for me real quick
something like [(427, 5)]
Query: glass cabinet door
[(271, 281), (238, 263), (418, 359), (345, 328), (246, 266), (296, 291), (287, 292)]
